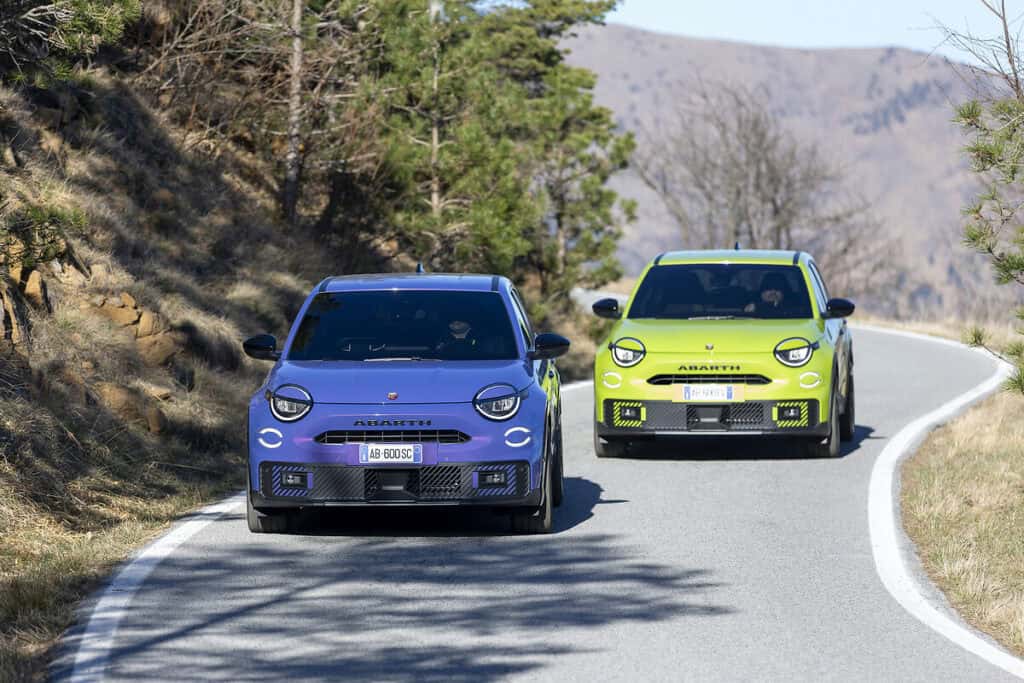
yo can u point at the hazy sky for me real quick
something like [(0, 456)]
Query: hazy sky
[(814, 23)]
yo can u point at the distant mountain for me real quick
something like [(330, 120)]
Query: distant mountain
[(883, 115)]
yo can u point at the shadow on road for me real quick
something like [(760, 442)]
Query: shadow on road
[(734, 448), (394, 608), (581, 496)]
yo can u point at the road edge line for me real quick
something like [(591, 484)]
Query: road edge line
[(885, 525), (97, 639)]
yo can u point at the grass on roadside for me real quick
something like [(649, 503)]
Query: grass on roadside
[(963, 506), (962, 501)]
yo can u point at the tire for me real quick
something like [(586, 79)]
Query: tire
[(609, 449), (848, 421), (828, 447), (279, 522), (538, 520), (558, 484)]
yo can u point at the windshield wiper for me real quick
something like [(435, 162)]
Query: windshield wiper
[(388, 359), (720, 317)]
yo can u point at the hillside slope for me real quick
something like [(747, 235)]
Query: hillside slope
[(142, 254), (883, 115)]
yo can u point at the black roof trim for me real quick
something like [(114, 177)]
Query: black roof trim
[(796, 257), (657, 258), (494, 283)]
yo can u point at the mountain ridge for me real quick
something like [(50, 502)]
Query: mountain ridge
[(882, 115)]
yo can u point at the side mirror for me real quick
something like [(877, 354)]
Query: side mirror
[(548, 346), (839, 308), (261, 347), (607, 308)]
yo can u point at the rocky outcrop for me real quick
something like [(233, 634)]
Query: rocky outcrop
[(155, 341), (131, 405), (159, 349)]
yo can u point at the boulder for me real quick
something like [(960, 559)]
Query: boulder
[(120, 315), (128, 300), (149, 324), (121, 401), (156, 350)]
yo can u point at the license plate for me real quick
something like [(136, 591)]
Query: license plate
[(386, 453), (712, 393)]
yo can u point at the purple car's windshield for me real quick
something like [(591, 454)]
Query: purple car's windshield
[(405, 325), (722, 290)]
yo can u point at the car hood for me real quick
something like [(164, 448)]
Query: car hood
[(412, 381), (727, 336)]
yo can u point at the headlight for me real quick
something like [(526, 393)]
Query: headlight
[(627, 352), (795, 352), (290, 403), (498, 401)]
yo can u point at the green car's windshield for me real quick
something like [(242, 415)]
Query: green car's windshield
[(715, 291)]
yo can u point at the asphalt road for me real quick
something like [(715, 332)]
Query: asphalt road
[(684, 562)]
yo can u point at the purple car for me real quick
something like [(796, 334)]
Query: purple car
[(408, 389)]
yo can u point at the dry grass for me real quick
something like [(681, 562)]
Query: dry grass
[(963, 506), (963, 503), (190, 239)]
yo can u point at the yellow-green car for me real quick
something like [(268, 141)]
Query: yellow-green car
[(730, 343)]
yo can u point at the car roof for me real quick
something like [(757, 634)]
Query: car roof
[(466, 282), (763, 256)]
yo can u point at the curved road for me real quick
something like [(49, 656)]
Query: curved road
[(695, 562)]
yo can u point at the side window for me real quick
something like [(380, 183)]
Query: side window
[(524, 322), (819, 287)]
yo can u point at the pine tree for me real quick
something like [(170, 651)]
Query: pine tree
[(575, 150), (461, 190), (39, 39)]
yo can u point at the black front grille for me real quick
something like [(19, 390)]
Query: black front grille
[(733, 416), (438, 483), (708, 379), (337, 437)]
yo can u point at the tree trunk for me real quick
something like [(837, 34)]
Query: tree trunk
[(293, 157), (435, 123)]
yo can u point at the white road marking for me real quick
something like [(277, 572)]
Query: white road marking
[(886, 528), (98, 637)]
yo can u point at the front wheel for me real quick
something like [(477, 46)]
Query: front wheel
[(558, 485), (847, 422), (276, 522), (537, 520), (829, 447), (609, 449)]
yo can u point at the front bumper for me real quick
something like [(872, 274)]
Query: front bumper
[(637, 419), (436, 485)]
